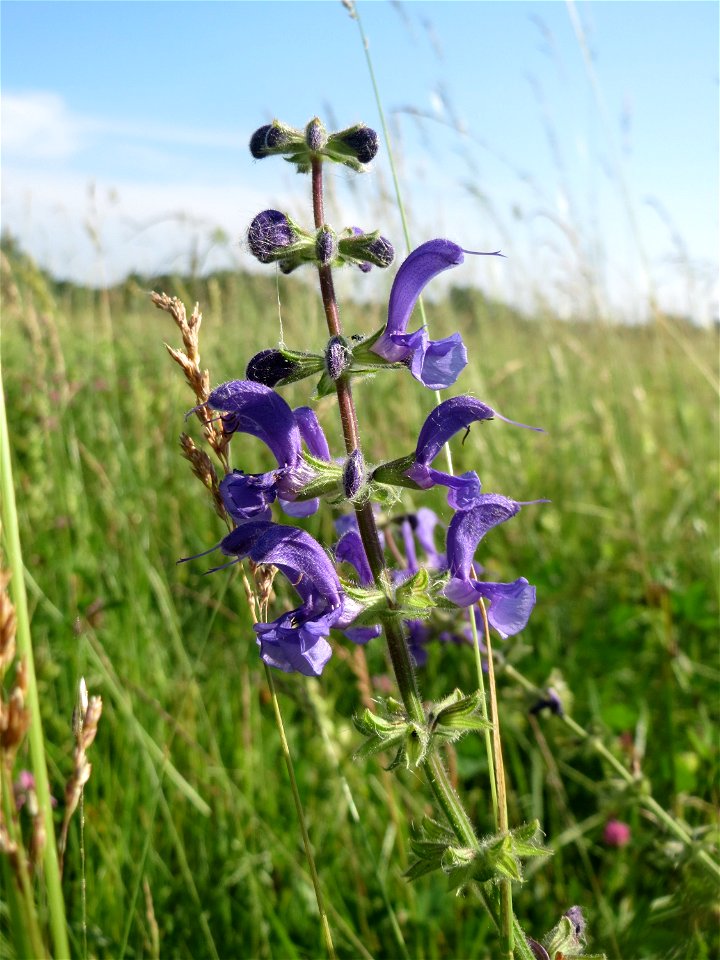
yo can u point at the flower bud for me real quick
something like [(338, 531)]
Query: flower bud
[(325, 246), (315, 135), (338, 357), (277, 367), (274, 137), (353, 474), (268, 234), (359, 143), (269, 367), (366, 249)]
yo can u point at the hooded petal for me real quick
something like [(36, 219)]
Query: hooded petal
[(468, 527), (447, 419), (253, 408), (295, 552), (416, 271)]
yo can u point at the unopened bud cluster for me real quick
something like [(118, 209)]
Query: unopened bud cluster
[(354, 147), (273, 237)]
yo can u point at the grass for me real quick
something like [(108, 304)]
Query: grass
[(191, 844)]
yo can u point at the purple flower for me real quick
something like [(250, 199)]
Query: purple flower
[(616, 834), (435, 363), (296, 641), (350, 549), (249, 407), (447, 419), (510, 603)]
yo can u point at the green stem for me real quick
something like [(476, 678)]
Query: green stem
[(56, 904), (506, 911), (647, 800), (325, 925), (398, 193), (21, 904)]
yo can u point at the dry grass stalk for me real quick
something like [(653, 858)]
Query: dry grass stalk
[(204, 470), (7, 624), (85, 723), (14, 718), (189, 361), (199, 381)]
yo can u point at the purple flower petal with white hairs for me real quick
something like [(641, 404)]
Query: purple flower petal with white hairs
[(296, 641), (447, 419), (249, 407), (510, 603), (435, 363)]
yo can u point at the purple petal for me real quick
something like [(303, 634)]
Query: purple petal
[(468, 527), (362, 635), (291, 648), (350, 549), (311, 432), (416, 271), (464, 490), (295, 552), (427, 520), (409, 544), (510, 605), (248, 496), (447, 419), (435, 363), (253, 408), (300, 508)]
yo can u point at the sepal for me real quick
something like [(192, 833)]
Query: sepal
[(278, 367), (394, 473), (365, 248), (497, 857), (412, 595), (326, 479), (457, 714)]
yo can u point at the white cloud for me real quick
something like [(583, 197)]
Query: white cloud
[(38, 126)]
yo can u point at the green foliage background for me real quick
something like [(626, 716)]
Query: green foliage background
[(191, 843)]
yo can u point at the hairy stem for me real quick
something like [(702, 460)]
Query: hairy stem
[(447, 798)]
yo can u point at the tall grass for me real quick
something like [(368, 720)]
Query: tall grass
[(190, 844)]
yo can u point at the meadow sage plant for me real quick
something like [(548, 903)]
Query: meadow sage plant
[(350, 586)]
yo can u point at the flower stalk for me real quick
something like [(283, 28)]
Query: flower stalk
[(11, 534)]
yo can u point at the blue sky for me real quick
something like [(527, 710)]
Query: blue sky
[(582, 138)]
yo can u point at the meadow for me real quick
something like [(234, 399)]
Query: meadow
[(190, 845)]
